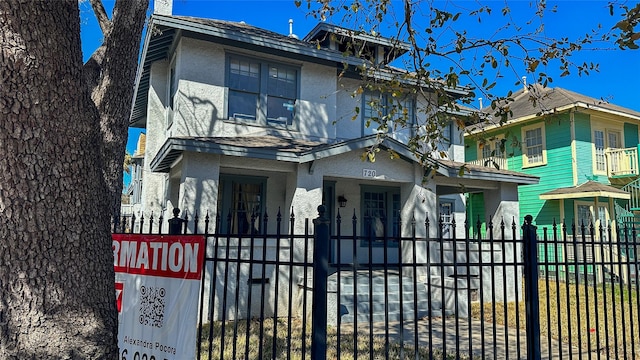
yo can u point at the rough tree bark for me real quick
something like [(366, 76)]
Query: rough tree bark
[(114, 67), (56, 273)]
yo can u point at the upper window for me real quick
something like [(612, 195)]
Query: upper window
[(493, 147), (533, 146), (262, 92), (384, 112), (173, 88), (598, 142), (603, 140)]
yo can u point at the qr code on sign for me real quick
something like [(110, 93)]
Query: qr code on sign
[(152, 305)]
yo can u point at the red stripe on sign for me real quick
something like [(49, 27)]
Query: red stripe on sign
[(174, 256)]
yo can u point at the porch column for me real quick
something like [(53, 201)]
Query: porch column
[(502, 204), (199, 188), (304, 192)]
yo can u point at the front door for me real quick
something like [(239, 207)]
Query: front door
[(446, 218), (380, 225)]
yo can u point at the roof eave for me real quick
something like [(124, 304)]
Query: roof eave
[(586, 194), (173, 147)]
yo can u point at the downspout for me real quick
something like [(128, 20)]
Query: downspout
[(574, 152)]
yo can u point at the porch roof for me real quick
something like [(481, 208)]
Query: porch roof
[(585, 190), (278, 148), (467, 178), (272, 147), (478, 172)]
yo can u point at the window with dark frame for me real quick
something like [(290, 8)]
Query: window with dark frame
[(262, 92), (241, 204), (385, 109)]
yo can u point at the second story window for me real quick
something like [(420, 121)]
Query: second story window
[(173, 88), (384, 110), (598, 141), (493, 147), (262, 92), (533, 146)]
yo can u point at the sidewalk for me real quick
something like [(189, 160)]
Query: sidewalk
[(464, 339)]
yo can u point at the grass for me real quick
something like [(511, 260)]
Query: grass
[(289, 345), (584, 317), (595, 318)]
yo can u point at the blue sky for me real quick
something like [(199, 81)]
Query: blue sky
[(618, 80)]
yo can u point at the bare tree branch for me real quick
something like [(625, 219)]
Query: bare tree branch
[(101, 15)]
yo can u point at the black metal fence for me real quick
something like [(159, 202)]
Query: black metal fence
[(274, 294)]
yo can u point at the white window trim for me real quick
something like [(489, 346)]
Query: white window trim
[(525, 158), (491, 142), (594, 164), (605, 131)]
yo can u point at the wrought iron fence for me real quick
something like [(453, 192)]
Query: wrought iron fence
[(272, 294)]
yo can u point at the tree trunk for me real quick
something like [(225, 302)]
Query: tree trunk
[(57, 297), (113, 93)]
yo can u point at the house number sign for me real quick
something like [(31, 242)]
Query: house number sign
[(368, 173)]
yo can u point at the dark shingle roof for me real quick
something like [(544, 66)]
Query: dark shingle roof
[(537, 100), (246, 29), (548, 99)]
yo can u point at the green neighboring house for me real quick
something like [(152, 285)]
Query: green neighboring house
[(584, 150)]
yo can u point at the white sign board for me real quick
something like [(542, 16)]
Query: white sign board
[(157, 292), (368, 173)]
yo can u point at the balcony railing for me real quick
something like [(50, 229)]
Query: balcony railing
[(622, 162), (492, 161)]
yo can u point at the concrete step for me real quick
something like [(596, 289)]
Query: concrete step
[(380, 297)]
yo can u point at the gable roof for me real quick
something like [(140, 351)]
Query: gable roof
[(323, 29), (536, 100)]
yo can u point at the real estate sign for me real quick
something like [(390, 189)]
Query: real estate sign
[(157, 292)]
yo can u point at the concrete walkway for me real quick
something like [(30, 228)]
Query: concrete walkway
[(478, 338)]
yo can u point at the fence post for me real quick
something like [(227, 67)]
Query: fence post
[(531, 295), (320, 271), (175, 224)]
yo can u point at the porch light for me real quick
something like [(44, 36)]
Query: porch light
[(342, 201)]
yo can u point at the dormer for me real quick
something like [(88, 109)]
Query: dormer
[(369, 46)]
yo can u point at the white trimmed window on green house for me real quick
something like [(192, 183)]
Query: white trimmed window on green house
[(603, 140), (533, 146), (493, 152)]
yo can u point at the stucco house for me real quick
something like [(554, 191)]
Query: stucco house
[(584, 150), (242, 121)]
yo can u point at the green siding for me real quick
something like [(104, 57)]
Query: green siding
[(558, 172), (475, 211), (584, 148), (630, 135), (470, 150)]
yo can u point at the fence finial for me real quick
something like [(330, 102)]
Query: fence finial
[(528, 219), (175, 224), (321, 211)]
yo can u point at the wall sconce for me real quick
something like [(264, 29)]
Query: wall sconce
[(342, 201)]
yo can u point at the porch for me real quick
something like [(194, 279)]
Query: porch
[(619, 163)]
